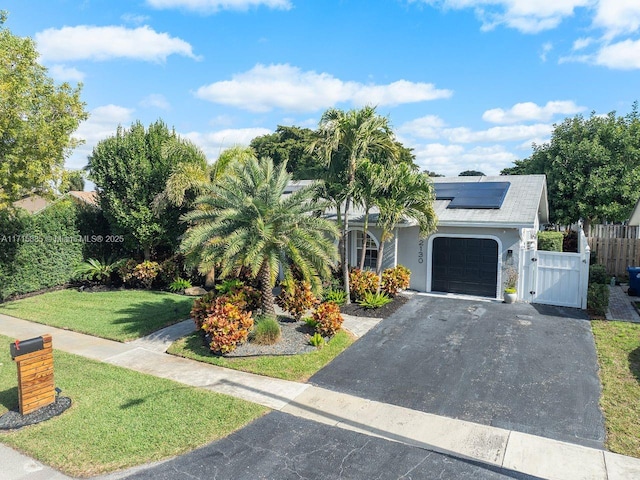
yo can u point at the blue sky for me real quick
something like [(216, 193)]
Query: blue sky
[(469, 84)]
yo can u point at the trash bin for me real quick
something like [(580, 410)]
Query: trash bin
[(634, 280), (34, 359)]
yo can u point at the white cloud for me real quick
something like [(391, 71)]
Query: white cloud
[(618, 16), (134, 19), (527, 16), (102, 123), (529, 111), (213, 143), (212, 6), (546, 48), (623, 55), (86, 42), (429, 126), (450, 160), (155, 100), (63, 73), (283, 86), (582, 43)]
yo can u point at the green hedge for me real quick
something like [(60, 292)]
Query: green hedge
[(39, 251), (550, 241), (598, 298)]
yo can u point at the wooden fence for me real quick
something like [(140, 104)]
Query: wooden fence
[(613, 231), (616, 254)]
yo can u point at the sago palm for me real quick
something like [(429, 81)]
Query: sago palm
[(244, 220)]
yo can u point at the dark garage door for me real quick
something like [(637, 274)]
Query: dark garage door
[(465, 265)]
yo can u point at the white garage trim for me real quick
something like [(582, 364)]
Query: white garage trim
[(461, 235)]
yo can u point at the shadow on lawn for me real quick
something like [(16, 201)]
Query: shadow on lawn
[(146, 317), (634, 363)]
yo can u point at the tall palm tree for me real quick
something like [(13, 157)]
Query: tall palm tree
[(348, 138), (244, 220), (371, 179), (407, 196)]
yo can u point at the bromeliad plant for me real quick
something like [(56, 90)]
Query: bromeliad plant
[(95, 270)]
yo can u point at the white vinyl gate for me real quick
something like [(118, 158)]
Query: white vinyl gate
[(554, 278)]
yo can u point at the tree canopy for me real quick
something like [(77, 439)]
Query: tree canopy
[(37, 119), (130, 169), (471, 173), (592, 167)]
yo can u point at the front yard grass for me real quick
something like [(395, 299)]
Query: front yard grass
[(120, 315), (119, 418), (297, 368), (618, 347)]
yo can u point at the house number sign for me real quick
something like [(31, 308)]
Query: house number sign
[(421, 251)]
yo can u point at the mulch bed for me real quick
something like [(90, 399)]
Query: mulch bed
[(13, 420), (356, 310)]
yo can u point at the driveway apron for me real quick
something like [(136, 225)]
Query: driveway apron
[(519, 367)]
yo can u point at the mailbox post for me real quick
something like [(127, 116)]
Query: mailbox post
[(34, 359)]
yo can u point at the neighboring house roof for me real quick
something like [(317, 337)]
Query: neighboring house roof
[(634, 219), (32, 203), (525, 205), (90, 198)]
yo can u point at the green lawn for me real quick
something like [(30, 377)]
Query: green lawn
[(118, 315), (119, 418), (297, 368), (618, 346)]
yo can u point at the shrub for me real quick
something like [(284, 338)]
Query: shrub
[(361, 282), (245, 297), (227, 326), (395, 279), (328, 319), (95, 270), (570, 242), (336, 296), (296, 298), (317, 340), (227, 286), (266, 331), (598, 298), (374, 300), (179, 284), (38, 251), (125, 271), (550, 241), (170, 269), (598, 274), (202, 308), (146, 272)]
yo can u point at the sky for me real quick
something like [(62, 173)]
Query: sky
[(468, 84)]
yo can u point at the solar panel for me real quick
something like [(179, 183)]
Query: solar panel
[(472, 194)]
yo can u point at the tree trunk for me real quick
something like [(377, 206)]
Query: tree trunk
[(379, 263), (147, 252), (264, 277), (210, 278), (343, 253), (364, 239)]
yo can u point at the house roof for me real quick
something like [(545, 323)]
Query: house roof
[(90, 198), (524, 205), (32, 203)]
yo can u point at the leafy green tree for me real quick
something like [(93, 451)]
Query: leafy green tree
[(344, 140), (243, 220), (432, 174), (289, 144), (130, 169), (471, 173), (592, 167), (71, 180), (407, 195), (37, 119)]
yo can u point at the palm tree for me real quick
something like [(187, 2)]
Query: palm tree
[(243, 220), (407, 196), (194, 174), (348, 138), (371, 179)]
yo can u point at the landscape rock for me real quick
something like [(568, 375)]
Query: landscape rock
[(195, 291)]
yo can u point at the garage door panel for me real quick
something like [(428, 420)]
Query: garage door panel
[(465, 265)]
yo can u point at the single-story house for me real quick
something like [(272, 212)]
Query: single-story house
[(484, 225)]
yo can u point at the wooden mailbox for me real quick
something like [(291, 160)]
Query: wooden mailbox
[(34, 358)]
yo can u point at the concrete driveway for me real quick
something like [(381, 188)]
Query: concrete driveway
[(520, 367)]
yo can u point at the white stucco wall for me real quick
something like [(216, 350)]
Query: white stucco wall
[(415, 254)]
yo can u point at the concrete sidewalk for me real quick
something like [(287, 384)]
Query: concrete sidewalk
[(532, 455)]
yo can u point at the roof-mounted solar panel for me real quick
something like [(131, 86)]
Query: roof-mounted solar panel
[(489, 195)]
